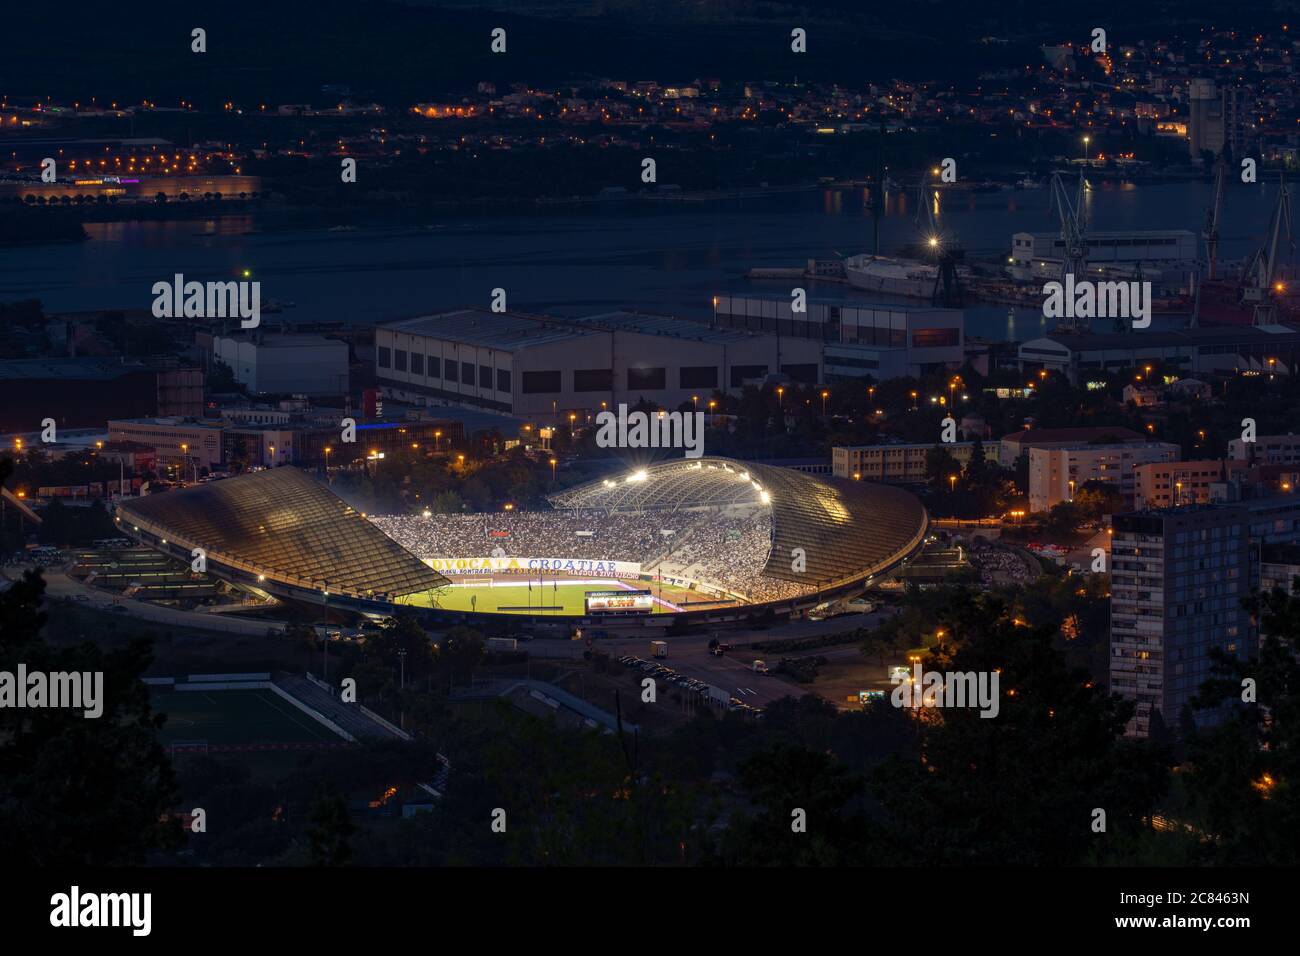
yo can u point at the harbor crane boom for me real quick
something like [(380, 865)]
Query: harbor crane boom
[(1261, 270)]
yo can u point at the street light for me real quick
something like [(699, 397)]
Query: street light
[(552, 471), (952, 483), (825, 395), (914, 401), (780, 396)]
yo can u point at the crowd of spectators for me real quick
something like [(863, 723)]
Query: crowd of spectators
[(727, 550), (731, 550), (593, 535)]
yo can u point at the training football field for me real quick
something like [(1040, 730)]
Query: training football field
[(234, 717)]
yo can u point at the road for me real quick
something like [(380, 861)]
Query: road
[(733, 671), (59, 584)]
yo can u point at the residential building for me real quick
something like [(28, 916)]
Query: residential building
[(1058, 474), (1267, 449), (1177, 580), (1174, 483), (901, 463), (1015, 444)]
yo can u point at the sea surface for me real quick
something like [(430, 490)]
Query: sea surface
[(670, 257)]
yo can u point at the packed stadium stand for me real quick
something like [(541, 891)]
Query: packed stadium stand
[(758, 532)]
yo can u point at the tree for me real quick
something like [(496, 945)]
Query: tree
[(939, 464), (793, 786), (329, 836), (80, 791), (1004, 789), (1242, 774)]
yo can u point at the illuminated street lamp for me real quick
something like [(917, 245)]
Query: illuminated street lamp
[(914, 401), (552, 471), (952, 482), (780, 396)]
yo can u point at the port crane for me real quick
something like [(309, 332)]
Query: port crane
[(1213, 217), (1260, 277), (1073, 217), (943, 250)]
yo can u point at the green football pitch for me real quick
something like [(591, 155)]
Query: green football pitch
[(235, 717), (515, 598)]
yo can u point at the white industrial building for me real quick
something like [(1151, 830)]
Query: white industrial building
[(882, 341), (275, 364), (1267, 349), (545, 368), (1038, 255)]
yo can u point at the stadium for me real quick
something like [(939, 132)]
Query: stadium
[(710, 540)]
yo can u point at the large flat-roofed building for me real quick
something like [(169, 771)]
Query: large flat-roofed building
[(1270, 349), (1177, 580), (543, 368), (1171, 484), (1038, 255), (898, 464), (883, 341), (175, 440), (1014, 444), (1058, 474), (276, 364), (82, 392), (132, 187), (1267, 450)]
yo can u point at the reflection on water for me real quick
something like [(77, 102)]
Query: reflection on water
[(669, 257)]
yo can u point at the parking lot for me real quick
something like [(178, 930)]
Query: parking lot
[(663, 674)]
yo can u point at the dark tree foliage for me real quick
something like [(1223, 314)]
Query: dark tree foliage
[(1019, 787), (1241, 775), (78, 791)]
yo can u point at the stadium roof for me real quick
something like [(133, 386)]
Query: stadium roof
[(845, 529), (285, 525)]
